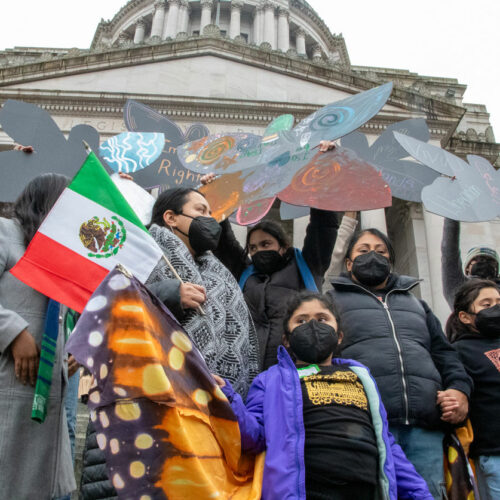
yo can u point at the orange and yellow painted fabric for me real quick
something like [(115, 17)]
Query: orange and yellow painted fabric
[(167, 430)]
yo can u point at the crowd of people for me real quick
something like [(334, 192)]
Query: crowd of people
[(350, 393)]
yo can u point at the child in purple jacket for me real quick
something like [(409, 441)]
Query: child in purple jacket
[(320, 419)]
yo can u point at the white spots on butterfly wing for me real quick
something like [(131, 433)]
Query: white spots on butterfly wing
[(95, 338), (96, 303), (119, 282)]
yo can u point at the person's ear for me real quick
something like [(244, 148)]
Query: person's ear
[(341, 337), (348, 264), (282, 250), (170, 218), (466, 318), (285, 342)]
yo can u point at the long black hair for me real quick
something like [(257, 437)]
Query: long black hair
[(299, 298), (274, 229), (36, 201), (464, 298), (378, 234), (171, 199)]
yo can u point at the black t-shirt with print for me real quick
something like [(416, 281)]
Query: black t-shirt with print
[(340, 445)]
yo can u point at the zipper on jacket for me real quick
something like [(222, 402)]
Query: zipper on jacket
[(396, 340), (400, 354)]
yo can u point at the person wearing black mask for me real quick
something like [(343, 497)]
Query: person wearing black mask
[(422, 382), (182, 226), (474, 329), (320, 418)]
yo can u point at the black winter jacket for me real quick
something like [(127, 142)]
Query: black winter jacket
[(402, 343), (481, 358), (266, 295), (95, 484)]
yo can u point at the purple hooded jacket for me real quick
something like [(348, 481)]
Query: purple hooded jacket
[(272, 420)]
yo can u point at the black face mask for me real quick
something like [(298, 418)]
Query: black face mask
[(485, 269), (268, 261), (488, 321), (204, 233), (371, 268), (313, 342)]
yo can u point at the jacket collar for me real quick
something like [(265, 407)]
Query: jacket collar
[(399, 283)]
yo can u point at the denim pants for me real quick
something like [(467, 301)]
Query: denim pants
[(424, 449), (488, 476)]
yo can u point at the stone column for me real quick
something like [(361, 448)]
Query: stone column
[(257, 25), (235, 24), (301, 42), (183, 20), (374, 218), (158, 19), (206, 14), (140, 31), (269, 34), (283, 30), (173, 14)]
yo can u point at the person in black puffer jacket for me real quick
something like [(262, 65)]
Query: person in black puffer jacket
[(420, 377), (95, 484), (474, 329)]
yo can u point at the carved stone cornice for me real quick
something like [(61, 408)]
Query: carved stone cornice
[(102, 106), (237, 4), (439, 114)]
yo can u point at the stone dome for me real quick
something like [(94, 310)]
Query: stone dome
[(289, 26)]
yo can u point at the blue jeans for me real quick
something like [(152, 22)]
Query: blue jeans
[(488, 476), (424, 449), (71, 405)]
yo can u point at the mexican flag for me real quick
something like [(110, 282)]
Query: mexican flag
[(90, 230)]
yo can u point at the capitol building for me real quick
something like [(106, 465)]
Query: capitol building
[(236, 65)]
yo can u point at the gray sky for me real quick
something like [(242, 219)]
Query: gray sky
[(449, 38)]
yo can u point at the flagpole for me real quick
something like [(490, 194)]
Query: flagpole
[(176, 274)]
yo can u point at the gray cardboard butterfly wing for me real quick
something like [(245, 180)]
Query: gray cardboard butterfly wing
[(30, 125), (405, 178), (167, 170), (288, 211), (464, 192), (341, 117)]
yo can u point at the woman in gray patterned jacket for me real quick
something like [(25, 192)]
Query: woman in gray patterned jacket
[(209, 303)]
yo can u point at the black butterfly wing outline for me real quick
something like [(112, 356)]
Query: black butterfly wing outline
[(30, 125)]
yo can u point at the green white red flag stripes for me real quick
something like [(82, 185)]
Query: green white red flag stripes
[(90, 230)]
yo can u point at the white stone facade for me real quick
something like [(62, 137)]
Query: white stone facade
[(235, 65)]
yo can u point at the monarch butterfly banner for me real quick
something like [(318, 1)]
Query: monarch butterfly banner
[(165, 427)]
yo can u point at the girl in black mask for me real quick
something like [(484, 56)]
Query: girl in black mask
[(421, 379), (474, 327), (276, 270), (320, 418)]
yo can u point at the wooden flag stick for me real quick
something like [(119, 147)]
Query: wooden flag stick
[(176, 274)]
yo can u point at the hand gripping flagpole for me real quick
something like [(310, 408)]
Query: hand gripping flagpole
[(172, 268)]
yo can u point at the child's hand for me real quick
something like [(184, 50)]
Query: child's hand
[(123, 175), (220, 381)]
